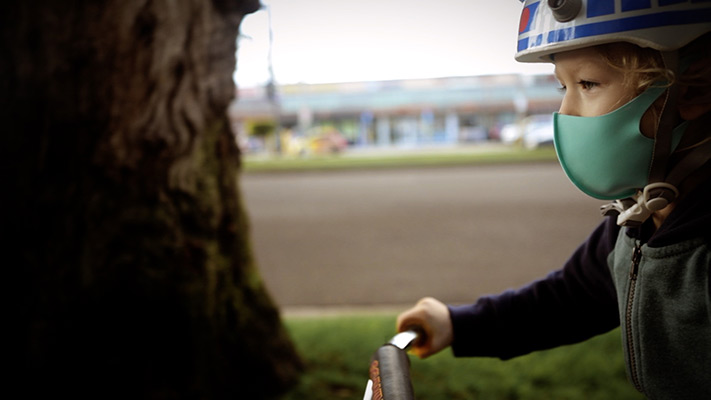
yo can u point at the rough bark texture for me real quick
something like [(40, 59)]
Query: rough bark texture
[(127, 241)]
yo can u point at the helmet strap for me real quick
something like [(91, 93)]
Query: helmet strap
[(668, 119)]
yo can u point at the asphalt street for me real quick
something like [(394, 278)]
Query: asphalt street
[(389, 237)]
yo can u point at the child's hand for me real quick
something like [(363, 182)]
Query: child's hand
[(430, 316)]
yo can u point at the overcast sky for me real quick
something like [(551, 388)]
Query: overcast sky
[(321, 41)]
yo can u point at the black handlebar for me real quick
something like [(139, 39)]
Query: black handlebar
[(390, 369), (390, 373)]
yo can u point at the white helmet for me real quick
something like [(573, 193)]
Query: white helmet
[(551, 26)]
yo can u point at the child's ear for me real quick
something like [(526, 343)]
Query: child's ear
[(695, 101), (692, 111)]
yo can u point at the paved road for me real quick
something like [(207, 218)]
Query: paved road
[(389, 237)]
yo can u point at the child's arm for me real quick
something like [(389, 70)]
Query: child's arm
[(569, 305), (431, 317)]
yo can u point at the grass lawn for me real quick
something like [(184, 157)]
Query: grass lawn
[(337, 351), (404, 158)]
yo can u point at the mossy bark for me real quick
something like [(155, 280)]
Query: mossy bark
[(126, 236)]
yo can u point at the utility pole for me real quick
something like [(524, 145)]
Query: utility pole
[(271, 88)]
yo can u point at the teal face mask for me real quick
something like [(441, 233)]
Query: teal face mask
[(607, 157)]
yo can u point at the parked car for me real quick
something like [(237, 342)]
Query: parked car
[(510, 133), (538, 131), (329, 142), (531, 132)]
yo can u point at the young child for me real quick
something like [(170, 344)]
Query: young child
[(633, 127)]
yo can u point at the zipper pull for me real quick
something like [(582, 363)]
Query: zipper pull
[(636, 257)]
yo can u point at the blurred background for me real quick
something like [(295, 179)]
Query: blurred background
[(319, 77), (348, 81)]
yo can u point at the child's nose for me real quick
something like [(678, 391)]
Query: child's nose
[(568, 106)]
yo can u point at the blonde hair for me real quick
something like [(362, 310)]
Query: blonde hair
[(641, 67), (644, 67)]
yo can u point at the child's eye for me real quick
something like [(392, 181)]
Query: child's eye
[(562, 88), (587, 85)]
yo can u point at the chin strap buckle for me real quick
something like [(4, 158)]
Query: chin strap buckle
[(633, 211)]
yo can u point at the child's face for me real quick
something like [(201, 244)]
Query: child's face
[(592, 87)]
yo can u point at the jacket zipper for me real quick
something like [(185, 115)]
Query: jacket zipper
[(634, 270)]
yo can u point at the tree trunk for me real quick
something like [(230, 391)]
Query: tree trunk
[(126, 234)]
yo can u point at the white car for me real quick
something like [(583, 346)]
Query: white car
[(538, 131), (533, 131)]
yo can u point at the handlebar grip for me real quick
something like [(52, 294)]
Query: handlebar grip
[(390, 373)]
